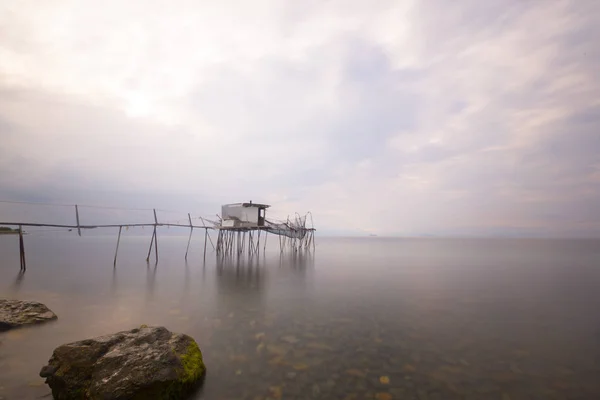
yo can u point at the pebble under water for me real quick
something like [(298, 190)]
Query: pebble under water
[(360, 318)]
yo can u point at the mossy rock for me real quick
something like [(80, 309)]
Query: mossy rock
[(149, 363)]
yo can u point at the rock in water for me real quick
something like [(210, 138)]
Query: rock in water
[(16, 313), (148, 363)]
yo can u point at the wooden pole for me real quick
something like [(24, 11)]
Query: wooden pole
[(77, 217), (217, 244), (250, 242), (205, 235), (209, 238), (151, 243), (232, 242), (155, 236), (22, 250), (265, 246), (312, 232), (258, 243), (229, 242), (190, 238), (117, 249), (222, 233), (223, 241)]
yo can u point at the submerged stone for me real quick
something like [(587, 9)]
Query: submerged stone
[(17, 313), (149, 363)]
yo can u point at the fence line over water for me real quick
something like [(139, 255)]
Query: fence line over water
[(225, 238), (79, 227)]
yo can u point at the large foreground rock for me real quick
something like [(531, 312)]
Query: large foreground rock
[(146, 363), (16, 313)]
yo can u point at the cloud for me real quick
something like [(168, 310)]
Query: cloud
[(396, 118)]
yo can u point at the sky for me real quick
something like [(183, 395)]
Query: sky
[(424, 117)]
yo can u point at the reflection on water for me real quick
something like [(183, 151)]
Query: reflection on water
[(150, 279), (18, 281), (359, 319)]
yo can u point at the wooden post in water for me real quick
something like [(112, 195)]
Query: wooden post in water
[(190, 238), (265, 246), (117, 249), (205, 236), (211, 242), (77, 218), (22, 250), (220, 242), (224, 239), (229, 242), (209, 238), (257, 250), (155, 235), (151, 243), (312, 232), (250, 242), (154, 240)]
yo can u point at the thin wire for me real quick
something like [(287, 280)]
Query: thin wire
[(48, 231), (42, 231)]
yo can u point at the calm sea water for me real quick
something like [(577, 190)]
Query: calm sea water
[(360, 318)]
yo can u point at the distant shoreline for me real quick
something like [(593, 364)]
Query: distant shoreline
[(5, 230)]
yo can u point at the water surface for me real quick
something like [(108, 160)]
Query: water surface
[(360, 318)]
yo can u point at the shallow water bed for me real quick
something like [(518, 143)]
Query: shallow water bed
[(369, 318)]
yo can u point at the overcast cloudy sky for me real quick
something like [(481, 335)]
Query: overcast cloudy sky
[(391, 117)]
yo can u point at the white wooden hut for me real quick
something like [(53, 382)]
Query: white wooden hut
[(243, 215)]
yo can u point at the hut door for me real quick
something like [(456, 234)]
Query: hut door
[(261, 217)]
